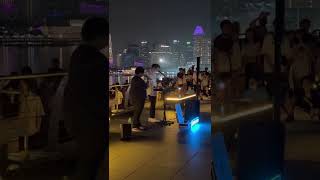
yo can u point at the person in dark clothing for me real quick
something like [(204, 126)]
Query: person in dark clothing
[(86, 100), (138, 95), (307, 38)]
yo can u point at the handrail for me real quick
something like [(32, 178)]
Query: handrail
[(45, 75), (32, 76), (124, 85)]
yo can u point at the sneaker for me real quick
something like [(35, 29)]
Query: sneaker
[(153, 120), (136, 129), (139, 129), (143, 128)]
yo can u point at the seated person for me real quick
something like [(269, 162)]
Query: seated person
[(256, 92)]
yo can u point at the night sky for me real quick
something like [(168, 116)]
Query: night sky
[(155, 20)]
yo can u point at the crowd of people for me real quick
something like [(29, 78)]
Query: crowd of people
[(189, 81), (14, 93), (245, 67)]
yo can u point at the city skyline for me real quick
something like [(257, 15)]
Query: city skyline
[(133, 21)]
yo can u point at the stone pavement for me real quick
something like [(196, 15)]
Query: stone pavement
[(162, 153)]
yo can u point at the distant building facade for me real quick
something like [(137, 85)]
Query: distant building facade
[(201, 47)]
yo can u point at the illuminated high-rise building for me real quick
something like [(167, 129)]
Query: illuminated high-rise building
[(177, 53), (201, 47), (162, 55), (130, 56), (110, 52), (144, 53), (187, 53)]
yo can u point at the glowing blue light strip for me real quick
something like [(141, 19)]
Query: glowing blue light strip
[(194, 121)]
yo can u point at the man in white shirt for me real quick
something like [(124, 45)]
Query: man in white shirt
[(152, 75)]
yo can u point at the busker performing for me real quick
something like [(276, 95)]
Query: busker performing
[(152, 91)]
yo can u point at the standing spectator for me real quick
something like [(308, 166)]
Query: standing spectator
[(86, 100), (152, 75), (223, 48), (223, 45), (300, 68), (287, 50), (268, 54), (236, 63), (259, 25), (189, 79), (250, 54), (138, 95), (305, 25)]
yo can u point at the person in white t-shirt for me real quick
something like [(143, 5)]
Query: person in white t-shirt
[(301, 67), (250, 54), (223, 49), (152, 75)]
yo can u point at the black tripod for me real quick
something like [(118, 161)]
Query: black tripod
[(164, 121)]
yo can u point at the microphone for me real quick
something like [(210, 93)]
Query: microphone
[(162, 74)]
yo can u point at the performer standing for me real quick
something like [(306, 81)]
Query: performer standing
[(138, 96), (152, 75)]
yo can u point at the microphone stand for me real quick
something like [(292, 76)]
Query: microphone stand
[(164, 121)]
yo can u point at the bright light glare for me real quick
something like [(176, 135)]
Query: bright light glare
[(194, 121), (180, 99), (161, 60), (195, 128)]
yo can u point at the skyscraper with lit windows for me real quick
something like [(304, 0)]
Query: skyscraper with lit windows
[(110, 52), (201, 47)]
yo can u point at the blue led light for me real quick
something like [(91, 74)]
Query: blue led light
[(194, 121), (195, 128)]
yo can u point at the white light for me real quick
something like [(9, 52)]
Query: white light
[(161, 60), (164, 46), (180, 99), (188, 43), (194, 121)]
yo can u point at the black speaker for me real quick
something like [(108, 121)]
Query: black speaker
[(261, 151), (125, 131), (192, 110)]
